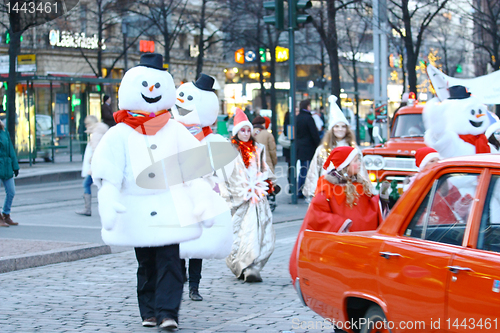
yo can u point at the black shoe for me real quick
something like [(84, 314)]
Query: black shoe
[(195, 295), (277, 189)]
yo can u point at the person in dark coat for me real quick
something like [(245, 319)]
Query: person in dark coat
[(8, 168), (307, 139), (286, 151), (107, 112)]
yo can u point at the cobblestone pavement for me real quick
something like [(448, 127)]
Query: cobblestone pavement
[(99, 295)]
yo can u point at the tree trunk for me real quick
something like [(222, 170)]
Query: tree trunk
[(99, 36), (272, 70), (14, 49), (411, 55), (332, 49), (201, 43), (166, 35)]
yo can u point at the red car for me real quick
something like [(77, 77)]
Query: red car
[(433, 265), (395, 159)]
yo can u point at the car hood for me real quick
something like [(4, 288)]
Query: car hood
[(397, 146)]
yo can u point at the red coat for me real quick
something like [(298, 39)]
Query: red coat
[(329, 211)]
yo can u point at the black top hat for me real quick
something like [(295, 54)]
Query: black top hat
[(458, 92), (205, 82), (152, 60)]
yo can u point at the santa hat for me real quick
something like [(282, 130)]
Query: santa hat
[(424, 155), (494, 124), (240, 120), (268, 121), (340, 157), (336, 115)]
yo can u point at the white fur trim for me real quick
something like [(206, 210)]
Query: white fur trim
[(426, 160), (240, 125), (493, 128), (348, 160)]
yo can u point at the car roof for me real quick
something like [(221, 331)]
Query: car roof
[(411, 109), (484, 160)]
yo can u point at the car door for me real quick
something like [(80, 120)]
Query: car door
[(413, 269), (474, 289)]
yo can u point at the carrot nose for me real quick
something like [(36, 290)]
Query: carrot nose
[(480, 115), (180, 100), (151, 88)]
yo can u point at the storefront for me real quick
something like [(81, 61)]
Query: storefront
[(51, 111)]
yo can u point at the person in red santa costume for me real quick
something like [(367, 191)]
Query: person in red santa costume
[(424, 158), (342, 202)]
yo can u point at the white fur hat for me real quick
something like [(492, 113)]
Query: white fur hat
[(336, 115)]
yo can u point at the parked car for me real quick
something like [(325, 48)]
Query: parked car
[(433, 265), (395, 159)]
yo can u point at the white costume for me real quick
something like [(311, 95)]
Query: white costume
[(447, 123), (197, 109), (149, 193)]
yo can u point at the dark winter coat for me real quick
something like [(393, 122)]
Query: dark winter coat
[(107, 115), (8, 158), (307, 136)]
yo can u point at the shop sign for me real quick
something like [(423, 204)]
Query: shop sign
[(282, 54), (194, 51), (250, 56), (74, 40), (147, 46), (4, 64), (239, 56), (26, 63)]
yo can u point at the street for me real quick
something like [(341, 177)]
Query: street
[(99, 294)]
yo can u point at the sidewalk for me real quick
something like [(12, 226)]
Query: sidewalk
[(18, 254)]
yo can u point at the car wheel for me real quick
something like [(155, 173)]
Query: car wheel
[(374, 321)]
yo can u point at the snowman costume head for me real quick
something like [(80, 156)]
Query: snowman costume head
[(456, 126), (197, 102), (147, 87)]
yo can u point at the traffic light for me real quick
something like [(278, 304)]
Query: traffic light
[(278, 18), (299, 16), (262, 55), (459, 68), (391, 60)]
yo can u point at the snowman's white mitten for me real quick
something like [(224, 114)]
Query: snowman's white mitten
[(208, 223), (109, 205)]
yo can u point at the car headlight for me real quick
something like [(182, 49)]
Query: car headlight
[(368, 162), (374, 162)]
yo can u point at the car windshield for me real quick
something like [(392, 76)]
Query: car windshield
[(43, 123), (408, 126)]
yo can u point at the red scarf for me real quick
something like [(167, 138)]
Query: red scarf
[(479, 141), (247, 150), (143, 122)]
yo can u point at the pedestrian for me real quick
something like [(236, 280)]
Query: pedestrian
[(137, 205), (249, 113), (307, 140), (96, 130), (107, 112), (370, 122), (425, 157), (338, 135), (9, 168), (343, 201), (215, 242), (245, 193), (262, 136)]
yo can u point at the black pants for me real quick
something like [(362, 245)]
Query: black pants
[(194, 271), (159, 282), (370, 131), (304, 167)]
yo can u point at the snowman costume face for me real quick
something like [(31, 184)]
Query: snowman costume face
[(467, 116), (146, 89), (195, 106)]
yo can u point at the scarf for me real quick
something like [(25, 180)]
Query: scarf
[(479, 141), (247, 150), (147, 123), (197, 131)]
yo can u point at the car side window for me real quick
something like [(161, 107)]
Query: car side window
[(442, 216), (489, 231)]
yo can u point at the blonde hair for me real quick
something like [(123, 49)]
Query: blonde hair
[(330, 141)]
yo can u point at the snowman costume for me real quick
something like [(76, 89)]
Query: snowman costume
[(197, 107), (456, 126), (148, 174)]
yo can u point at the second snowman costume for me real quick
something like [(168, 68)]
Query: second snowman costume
[(197, 107)]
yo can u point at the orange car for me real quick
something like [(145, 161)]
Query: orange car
[(395, 159), (432, 266)]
